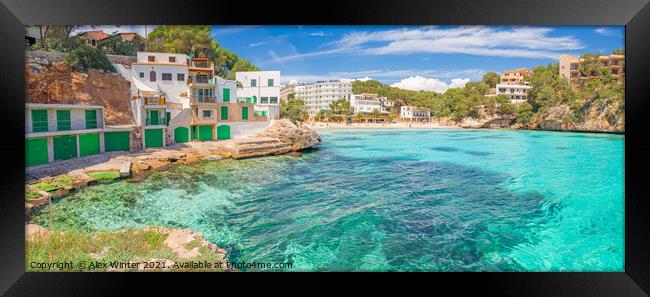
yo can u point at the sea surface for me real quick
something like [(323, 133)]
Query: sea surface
[(390, 200)]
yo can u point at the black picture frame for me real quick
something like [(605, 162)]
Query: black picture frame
[(634, 14)]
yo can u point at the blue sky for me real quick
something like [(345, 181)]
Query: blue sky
[(423, 57), (393, 54)]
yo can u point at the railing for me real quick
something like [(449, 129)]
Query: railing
[(154, 101), (203, 99), (156, 121)]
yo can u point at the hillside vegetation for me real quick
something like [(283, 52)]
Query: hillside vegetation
[(599, 105)]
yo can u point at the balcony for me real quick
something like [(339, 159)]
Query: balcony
[(154, 101), (202, 99)]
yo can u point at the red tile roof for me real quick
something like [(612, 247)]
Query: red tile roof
[(97, 34)]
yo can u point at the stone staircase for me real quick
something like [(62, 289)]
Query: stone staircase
[(252, 147)]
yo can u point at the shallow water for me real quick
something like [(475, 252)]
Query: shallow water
[(406, 200)]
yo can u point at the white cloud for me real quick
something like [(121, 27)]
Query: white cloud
[(607, 32), (293, 82), (420, 83), (387, 75), (521, 42), (318, 34)]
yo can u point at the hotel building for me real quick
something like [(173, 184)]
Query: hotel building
[(367, 103), (319, 95), (515, 77), (414, 114), (570, 67)]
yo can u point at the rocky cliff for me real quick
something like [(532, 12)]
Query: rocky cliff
[(281, 137), (597, 118), (55, 82)]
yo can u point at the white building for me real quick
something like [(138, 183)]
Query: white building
[(319, 95), (367, 103), (64, 131), (516, 93), (262, 88), (414, 114)]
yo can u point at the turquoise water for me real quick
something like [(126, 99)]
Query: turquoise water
[(384, 200)]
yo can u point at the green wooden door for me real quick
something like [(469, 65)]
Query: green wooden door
[(39, 120), (223, 132), (153, 138), (91, 119), (117, 141), (180, 135), (153, 117), (205, 133), (65, 147), (35, 151), (63, 122), (244, 113), (226, 95), (88, 144)]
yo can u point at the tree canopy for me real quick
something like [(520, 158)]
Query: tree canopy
[(197, 41)]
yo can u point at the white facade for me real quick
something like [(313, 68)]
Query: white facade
[(516, 93), (319, 95), (164, 73), (367, 103), (414, 114), (226, 84), (262, 88)]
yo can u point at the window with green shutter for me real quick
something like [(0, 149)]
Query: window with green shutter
[(253, 83), (226, 95), (274, 100), (248, 100), (91, 119), (63, 122), (224, 113), (244, 113), (39, 120), (270, 81)]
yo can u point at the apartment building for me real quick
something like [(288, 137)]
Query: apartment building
[(515, 77), (570, 68), (414, 114), (286, 90), (368, 103), (64, 131), (262, 88), (516, 93), (319, 95)]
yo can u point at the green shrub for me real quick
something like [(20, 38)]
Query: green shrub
[(84, 58)]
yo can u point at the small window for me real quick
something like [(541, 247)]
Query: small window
[(180, 76), (274, 100), (166, 76), (207, 114), (270, 82), (141, 74), (253, 83), (264, 100), (172, 59), (152, 76), (151, 58)]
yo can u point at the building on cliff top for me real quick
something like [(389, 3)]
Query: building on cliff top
[(570, 67)]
